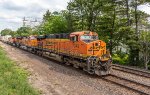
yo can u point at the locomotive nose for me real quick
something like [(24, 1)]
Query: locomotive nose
[(105, 65), (103, 68)]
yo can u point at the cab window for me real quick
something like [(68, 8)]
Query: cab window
[(74, 38)]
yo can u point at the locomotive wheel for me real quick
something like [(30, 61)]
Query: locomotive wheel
[(91, 72), (66, 60), (40, 53), (67, 63), (76, 66)]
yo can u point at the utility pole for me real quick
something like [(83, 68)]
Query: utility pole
[(24, 21)]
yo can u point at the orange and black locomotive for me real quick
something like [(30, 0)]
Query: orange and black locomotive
[(80, 49)]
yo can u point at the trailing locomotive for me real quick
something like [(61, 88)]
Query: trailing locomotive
[(80, 49)]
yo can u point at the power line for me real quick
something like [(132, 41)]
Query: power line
[(31, 21)]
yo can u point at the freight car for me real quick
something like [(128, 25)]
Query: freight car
[(80, 49)]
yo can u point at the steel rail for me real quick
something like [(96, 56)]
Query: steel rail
[(131, 70), (127, 81)]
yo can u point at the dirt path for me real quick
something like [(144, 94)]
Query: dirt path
[(56, 79)]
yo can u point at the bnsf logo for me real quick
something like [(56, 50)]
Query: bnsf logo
[(96, 48)]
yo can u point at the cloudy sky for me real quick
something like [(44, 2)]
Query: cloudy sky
[(13, 11)]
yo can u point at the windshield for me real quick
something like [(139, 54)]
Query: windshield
[(85, 37), (88, 38)]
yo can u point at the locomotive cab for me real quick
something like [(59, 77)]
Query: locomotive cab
[(87, 44), (86, 37)]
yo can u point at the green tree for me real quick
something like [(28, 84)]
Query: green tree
[(6, 32), (24, 31), (54, 23), (145, 48), (134, 43)]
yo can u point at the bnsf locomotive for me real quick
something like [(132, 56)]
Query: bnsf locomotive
[(80, 49)]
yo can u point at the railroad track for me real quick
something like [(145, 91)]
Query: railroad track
[(143, 89), (134, 71), (137, 87)]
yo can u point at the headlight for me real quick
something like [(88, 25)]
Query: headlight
[(99, 43)]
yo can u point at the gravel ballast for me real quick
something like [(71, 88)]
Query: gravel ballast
[(56, 79)]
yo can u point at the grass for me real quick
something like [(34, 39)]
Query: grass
[(13, 80)]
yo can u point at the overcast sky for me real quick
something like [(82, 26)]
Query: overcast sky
[(13, 11)]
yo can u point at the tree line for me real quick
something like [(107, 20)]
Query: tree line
[(120, 23)]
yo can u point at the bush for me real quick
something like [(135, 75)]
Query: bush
[(120, 58)]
